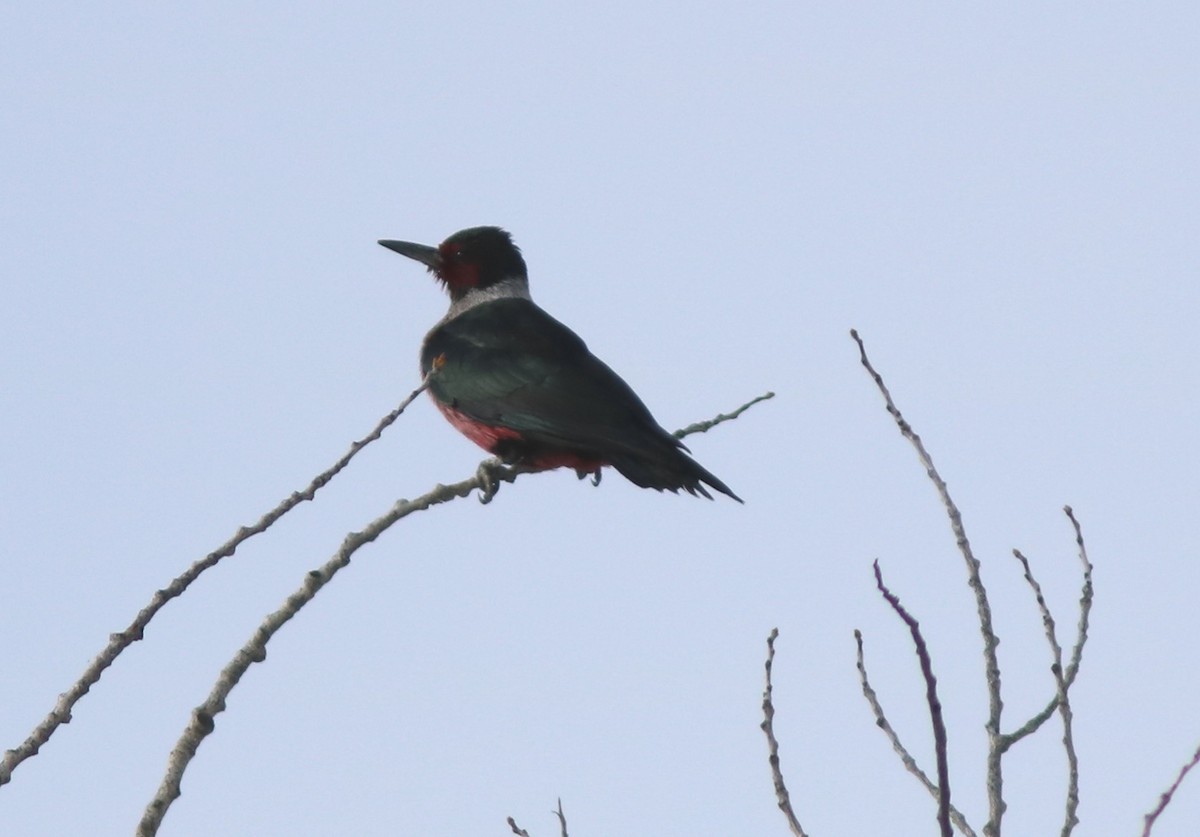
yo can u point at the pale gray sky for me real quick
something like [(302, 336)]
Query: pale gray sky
[(197, 319)]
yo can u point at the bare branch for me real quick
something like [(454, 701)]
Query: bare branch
[(562, 822), (486, 478), (1165, 799), (931, 696), (705, 426), (1072, 670), (562, 819), (118, 642), (1085, 599), (768, 728), (255, 650), (995, 777), (910, 764), (1061, 697)]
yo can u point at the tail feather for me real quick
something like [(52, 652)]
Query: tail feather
[(671, 470), (651, 458)]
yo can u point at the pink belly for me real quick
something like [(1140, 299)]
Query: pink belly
[(489, 437), (486, 436)]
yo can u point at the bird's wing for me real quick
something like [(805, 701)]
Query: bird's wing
[(508, 363)]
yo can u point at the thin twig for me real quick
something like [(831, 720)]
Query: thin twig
[(910, 764), (1085, 598), (705, 426), (486, 479), (255, 650), (118, 642), (768, 727), (1061, 696), (562, 819), (931, 696), (562, 823), (995, 776), (1165, 799), (1072, 670)]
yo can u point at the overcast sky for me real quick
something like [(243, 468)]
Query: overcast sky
[(196, 319)]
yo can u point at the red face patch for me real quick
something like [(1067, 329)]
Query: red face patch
[(456, 272)]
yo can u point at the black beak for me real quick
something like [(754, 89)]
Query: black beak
[(426, 255)]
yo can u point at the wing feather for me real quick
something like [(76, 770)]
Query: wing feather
[(508, 363)]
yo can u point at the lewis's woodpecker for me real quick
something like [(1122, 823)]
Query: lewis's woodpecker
[(524, 387)]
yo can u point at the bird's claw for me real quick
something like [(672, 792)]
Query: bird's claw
[(595, 475), (488, 475)]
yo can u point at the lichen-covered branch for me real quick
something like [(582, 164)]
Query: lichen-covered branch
[(486, 480), (1081, 635), (118, 642), (910, 763), (782, 797), (1062, 697), (995, 776)]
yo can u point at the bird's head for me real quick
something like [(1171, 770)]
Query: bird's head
[(478, 257)]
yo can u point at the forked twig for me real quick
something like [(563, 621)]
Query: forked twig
[(995, 776), (931, 697), (562, 823), (118, 642), (910, 763), (1062, 697), (202, 723), (562, 820), (1081, 635), (999, 743)]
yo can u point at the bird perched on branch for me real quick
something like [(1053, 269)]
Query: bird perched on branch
[(524, 387)]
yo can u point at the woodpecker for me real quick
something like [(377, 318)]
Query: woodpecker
[(524, 387)]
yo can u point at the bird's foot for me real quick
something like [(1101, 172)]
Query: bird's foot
[(490, 474), (595, 475)]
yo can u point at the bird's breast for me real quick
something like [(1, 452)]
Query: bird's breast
[(489, 437)]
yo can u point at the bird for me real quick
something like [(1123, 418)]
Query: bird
[(525, 387)]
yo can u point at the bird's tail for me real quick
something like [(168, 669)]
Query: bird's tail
[(670, 470)]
